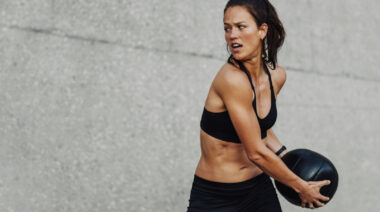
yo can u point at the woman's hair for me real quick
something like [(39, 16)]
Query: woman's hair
[(264, 12)]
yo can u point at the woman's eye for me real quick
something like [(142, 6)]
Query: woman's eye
[(241, 27), (226, 29)]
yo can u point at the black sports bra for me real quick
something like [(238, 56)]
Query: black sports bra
[(219, 125)]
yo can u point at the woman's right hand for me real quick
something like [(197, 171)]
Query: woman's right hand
[(311, 193)]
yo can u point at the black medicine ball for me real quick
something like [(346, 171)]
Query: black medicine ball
[(310, 166)]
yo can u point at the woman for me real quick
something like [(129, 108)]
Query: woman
[(237, 143)]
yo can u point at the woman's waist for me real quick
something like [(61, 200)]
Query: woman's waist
[(226, 170)]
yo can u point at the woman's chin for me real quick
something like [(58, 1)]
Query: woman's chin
[(237, 56)]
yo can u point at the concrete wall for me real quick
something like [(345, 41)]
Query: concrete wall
[(101, 100)]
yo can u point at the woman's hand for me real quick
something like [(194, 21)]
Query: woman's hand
[(310, 194)]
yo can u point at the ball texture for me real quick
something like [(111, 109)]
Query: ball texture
[(310, 166)]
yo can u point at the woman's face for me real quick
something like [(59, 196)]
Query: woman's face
[(242, 35)]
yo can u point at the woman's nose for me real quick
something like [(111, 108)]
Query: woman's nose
[(234, 33)]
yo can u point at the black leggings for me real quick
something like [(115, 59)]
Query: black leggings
[(253, 195)]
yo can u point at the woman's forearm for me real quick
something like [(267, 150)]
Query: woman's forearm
[(273, 143), (276, 168)]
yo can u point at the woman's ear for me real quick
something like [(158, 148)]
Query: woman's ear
[(263, 30)]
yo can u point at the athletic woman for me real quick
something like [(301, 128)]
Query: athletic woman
[(240, 151)]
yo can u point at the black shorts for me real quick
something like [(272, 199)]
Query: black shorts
[(254, 195)]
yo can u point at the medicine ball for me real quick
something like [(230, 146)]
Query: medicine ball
[(310, 166)]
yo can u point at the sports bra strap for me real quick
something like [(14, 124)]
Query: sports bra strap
[(270, 78), (242, 67)]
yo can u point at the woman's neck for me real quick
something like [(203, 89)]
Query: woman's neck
[(255, 67)]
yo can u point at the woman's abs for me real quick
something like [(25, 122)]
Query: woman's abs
[(224, 161)]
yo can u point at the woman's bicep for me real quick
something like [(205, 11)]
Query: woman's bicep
[(247, 128), (237, 98)]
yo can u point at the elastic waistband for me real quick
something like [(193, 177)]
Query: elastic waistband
[(250, 182)]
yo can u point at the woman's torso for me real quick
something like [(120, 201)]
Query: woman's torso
[(224, 161)]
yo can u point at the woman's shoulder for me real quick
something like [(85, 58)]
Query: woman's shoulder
[(231, 74), (231, 77), (278, 76)]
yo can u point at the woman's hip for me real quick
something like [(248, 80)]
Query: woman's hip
[(213, 196)]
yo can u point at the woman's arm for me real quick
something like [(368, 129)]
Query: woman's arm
[(237, 97), (273, 143)]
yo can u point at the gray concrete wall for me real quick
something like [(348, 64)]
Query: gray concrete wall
[(100, 101)]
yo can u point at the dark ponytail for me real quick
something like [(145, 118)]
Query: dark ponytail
[(264, 12)]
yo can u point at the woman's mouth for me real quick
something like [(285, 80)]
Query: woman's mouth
[(236, 47)]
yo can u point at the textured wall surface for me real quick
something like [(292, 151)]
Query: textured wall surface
[(100, 101)]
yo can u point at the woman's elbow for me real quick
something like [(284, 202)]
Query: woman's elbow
[(256, 156)]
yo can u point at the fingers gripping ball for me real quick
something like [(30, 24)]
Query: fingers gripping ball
[(310, 166)]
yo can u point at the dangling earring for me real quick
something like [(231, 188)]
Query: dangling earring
[(265, 54)]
